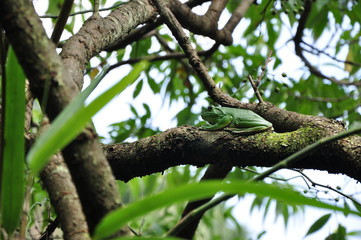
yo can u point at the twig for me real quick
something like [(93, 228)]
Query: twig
[(96, 8), (328, 187), (299, 50), (85, 11), (264, 68), (318, 51), (256, 84), (50, 229), (255, 89), (323, 99), (60, 24), (154, 58)]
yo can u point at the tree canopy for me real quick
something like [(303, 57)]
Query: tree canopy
[(295, 63)]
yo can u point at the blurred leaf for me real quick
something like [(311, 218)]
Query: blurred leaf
[(340, 234), (13, 165), (138, 88), (193, 191), (318, 224), (141, 47), (54, 7), (153, 85), (354, 233), (93, 73), (73, 119)]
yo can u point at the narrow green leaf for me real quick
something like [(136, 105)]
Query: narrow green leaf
[(354, 233), (74, 118), (194, 191), (318, 224), (138, 88), (12, 176)]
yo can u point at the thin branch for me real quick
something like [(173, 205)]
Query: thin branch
[(318, 51), (60, 24), (255, 89), (173, 24), (85, 11), (50, 229), (96, 8), (299, 51), (328, 187), (154, 58), (256, 84), (323, 99), (215, 10), (264, 68), (237, 15), (163, 42), (197, 24)]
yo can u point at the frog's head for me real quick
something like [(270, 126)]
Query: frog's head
[(212, 114)]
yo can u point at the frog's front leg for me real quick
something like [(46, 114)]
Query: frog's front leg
[(220, 124)]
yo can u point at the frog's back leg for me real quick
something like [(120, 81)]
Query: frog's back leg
[(249, 130)]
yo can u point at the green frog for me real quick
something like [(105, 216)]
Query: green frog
[(235, 120)]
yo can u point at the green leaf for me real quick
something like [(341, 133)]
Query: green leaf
[(138, 88), (194, 191), (318, 224), (153, 85), (73, 119), (12, 175), (340, 234), (354, 233)]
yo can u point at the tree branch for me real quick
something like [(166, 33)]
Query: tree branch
[(64, 199), (189, 145), (299, 50), (61, 22), (215, 171), (92, 176)]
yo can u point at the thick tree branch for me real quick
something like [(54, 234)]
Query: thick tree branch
[(97, 34), (215, 171), (139, 33), (189, 145), (49, 80), (64, 199)]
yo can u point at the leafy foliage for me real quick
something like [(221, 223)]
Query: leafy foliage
[(333, 43)]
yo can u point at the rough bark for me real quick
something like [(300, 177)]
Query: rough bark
[(57, 80), (190, 145), (51, 83), (63, 196)]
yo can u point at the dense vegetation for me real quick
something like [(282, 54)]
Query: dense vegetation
[(296, 63)]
